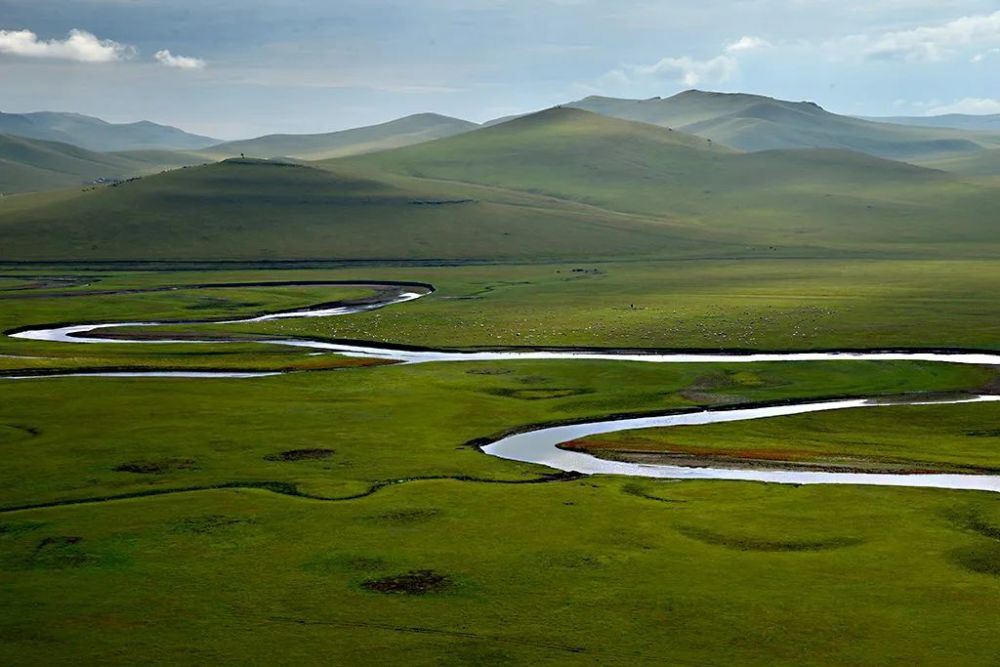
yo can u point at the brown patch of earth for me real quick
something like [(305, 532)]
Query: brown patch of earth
[(414, 582), (155, 467), (314, 454)]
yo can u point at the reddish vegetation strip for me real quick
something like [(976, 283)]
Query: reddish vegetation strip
[(646, 446)]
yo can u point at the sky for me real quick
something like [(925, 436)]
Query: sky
[(239, 68)]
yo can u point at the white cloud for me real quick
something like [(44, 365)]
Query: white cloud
[(79, 45), (690, 71), (748, 43), (931, 43), (980, 57), (686, 70), (168, 59), (970, 105)]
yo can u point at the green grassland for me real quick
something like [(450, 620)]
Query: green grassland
[(344, 513), (753, 305), (253, 210)]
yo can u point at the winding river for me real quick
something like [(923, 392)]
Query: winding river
[(541, 445)]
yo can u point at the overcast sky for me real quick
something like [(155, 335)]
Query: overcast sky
[(236, 68)]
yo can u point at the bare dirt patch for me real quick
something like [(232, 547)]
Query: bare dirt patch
[(313, 454), (538, 393), (406, 516), (748, 543), (414, 582), (155, 467), (210, 523)]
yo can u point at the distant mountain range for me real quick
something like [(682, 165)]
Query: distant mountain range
[(72, 149), (97, 135), (394, 134), (755, 123), (957, 121)]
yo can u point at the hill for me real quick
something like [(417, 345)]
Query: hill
[(958, 121), (261, 210), (28, 165), (98, 135), (557, 185), (815, 198), (754, 123), (983, 163), (401, 132)]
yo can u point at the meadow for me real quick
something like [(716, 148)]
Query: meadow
[(317, 512)]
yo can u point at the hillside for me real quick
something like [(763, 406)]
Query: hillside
[(983, 163), (800, 198), (754, 123), (394, 134), (259, 210), (958, 121), (98, 135), (28, 165)]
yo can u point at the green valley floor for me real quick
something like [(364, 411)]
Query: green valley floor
[(343, 511)]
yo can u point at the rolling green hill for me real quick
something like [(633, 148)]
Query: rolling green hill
[(806, 198), (753, 123), (559, 184), (402, 132), (98, 135), (982, 163), (260, 210), (29, 165)]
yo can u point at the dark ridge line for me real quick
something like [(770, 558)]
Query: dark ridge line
[(285, 489), (426, 631)]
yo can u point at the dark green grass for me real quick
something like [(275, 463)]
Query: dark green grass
[(253, 210), (542, 574)]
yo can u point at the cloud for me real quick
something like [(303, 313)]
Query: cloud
[(980, 57), (690, 71), (79, 45), (687, 70), (970, 105), (748, 43), (684, 69), (168, 59), (931, 43)]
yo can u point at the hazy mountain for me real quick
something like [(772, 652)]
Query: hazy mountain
[(401, 132), (958, 121), (31, 165), (97, 135), (753, 123)]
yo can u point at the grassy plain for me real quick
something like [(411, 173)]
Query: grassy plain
[(762, 305), (268, 517)]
